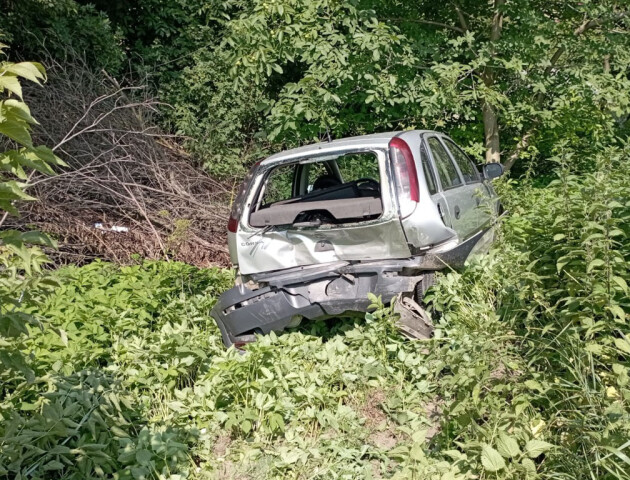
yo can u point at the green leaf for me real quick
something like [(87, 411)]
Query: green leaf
[(507, 446), (12, 84), (246, 426), (143, 457), (617, 311), (534, 448), (16, 110), (621, 282), (30, 70), (534, 385), (53, 465), (623, 344), (598, 262), (17, 131), (530, 467), (491, 460)]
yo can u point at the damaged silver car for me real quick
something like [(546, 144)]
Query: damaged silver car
[(314, 229)]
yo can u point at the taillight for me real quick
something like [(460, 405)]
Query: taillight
[(232, 224), (406, 175), (239, 200)]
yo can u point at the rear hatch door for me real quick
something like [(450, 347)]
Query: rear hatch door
[(264, 245)]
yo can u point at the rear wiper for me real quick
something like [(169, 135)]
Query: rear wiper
[(266, 229)]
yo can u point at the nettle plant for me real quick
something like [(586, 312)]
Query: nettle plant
[(21, 257)]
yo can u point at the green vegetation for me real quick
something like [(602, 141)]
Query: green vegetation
[(21, 259), (527, 375), (508, 79), (110, 371)]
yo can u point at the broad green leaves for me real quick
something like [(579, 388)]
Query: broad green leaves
[(535, 448), (491, 460), (507, 446), (22, 281)]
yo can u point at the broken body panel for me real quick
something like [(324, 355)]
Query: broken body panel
[(275, 301), (290, 269)]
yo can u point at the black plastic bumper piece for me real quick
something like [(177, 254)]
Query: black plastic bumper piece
[(241, 312), (323, 290)]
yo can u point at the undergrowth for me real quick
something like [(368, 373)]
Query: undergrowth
[(526, 376)]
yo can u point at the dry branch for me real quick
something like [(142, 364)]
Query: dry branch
[(122, 171)]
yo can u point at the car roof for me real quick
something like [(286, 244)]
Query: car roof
[(374, 140)]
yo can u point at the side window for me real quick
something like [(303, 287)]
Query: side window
[(354, 166), (315, 171), (468, 169), (279, 184), (445, 166), (428, 170)]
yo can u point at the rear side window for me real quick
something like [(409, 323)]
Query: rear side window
[(279, 185), (355, 166), (445, 166), (468, 169), (428, 171)]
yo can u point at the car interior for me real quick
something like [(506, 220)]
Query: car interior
[(309, 192)]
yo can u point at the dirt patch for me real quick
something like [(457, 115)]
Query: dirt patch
[(433, 411), (383, 433), (375, 467), (228, 471), (372, 411), (385, 439), (221, 445), (499, 373)]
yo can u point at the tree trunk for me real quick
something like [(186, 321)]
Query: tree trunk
[(490, 118), (491, 133)]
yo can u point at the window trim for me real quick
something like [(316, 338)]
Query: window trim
[(461, 178), (444, 140)]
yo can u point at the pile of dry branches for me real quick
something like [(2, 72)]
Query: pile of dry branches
[(128, 188)]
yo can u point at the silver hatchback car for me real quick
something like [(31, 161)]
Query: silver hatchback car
[(313, 230)]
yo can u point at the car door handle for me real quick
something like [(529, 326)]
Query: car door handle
[(440, 211), (457, 211)]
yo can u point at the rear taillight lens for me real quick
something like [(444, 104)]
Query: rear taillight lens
[(232, 224), (405, 175), (239, 200)]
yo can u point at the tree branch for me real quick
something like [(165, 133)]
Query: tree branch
[(460, 16), (596, 22), (426, 22)]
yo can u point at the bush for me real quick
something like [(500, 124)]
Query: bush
[(62, 28)]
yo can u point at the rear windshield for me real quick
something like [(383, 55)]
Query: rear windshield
[(342, 180), (358, 172)]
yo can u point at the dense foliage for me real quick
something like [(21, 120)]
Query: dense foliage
[(119, 372), (507, 78), (21, 259), (527, 374)]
